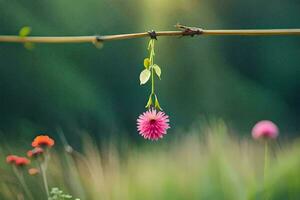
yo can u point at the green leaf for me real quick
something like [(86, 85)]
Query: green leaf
[(149, 103), (157, 70), (144, 76), (156, 104), (29, 45), (146, 63), (98, 44), (24, 31)]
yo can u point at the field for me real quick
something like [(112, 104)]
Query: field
[(206, 163)]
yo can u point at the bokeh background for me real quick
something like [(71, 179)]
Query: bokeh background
[(79, 88)]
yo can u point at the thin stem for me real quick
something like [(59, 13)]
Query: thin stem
[(266, 167), (152, 53), (43, 170), (43, 167), (184, 31), (266, 159), (152, 79), (20, 177)]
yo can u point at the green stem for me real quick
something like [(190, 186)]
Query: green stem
[(43, 168), (151, 64), (45, 179), (20, 177), (266, 161), (152, 78), (266, 167)]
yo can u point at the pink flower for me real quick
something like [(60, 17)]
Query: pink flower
[(11, 159), (265, 129), (22, 161), (35, 152), (153, 124)]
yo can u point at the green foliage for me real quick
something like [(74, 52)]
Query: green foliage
[(157, 70), (57, 194), (150, 70), (144, 76), (149, 103), (24, 31), (156, 104), (215, 165), (146, 63)]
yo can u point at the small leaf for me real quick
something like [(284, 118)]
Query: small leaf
[(149, 103), (24, 31), (98, 44), (29, 45), (156, 104), (144, 76), (157, 70), (146, 63)]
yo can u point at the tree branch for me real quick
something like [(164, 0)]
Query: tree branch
[(184, 31)]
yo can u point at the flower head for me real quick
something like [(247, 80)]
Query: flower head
[(11, 159), (22, 161), (265, 129), (33, 171), (16, 160), (42, 141), (35, 152), (153, 124)]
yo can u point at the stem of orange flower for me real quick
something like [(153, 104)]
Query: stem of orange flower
[(43, 168), (44, 179), (20, 177)]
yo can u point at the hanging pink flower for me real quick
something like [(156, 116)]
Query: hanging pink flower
[(153, 124), (265, 129)]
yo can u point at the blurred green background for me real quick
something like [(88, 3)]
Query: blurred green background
[(79, 87)]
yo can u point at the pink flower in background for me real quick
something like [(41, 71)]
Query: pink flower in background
[(11, 159), (265, 129), (22, 161), (153, 124)]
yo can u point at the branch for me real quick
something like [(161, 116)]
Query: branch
[(184, 31), (242, 32)]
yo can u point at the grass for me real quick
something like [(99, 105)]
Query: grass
[(204, 164)]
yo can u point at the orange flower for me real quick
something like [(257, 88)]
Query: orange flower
[(35, 152), (42, 141), (33, 171), (22, 161), (11, 159)]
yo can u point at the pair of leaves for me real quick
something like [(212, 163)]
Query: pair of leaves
[(146, 73), (156, 103)]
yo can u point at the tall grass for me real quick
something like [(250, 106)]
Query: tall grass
[(205, 164)]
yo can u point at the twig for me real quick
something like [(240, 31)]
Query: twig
[(184, 31), (243, 32)]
